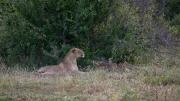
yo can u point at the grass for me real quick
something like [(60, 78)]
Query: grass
[(150, 83)]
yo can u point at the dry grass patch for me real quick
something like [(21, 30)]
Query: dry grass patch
[(150, 83)]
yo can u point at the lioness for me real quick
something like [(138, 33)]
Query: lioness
[(67, 65)]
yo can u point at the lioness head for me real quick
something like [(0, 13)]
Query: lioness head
[(77, 52)]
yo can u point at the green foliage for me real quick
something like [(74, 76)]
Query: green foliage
[(42, 32), (173, 13), (38, 35), (128, 31), (173, 7), (176, 22)]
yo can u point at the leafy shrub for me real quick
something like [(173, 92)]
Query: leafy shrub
[(129, 30), (172, 7), (176, 22), (39, 32)]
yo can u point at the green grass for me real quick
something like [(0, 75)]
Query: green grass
[(94, 86), (150, 83)]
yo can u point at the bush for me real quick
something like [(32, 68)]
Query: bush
[(176, 22), (39, 32), (172, 8), (33, 32)]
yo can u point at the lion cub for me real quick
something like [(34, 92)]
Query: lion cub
[(107, 66), (67, 65), (127, 67)]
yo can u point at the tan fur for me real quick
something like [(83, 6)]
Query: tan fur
[(107, 66), (127, 67), (68, 64)]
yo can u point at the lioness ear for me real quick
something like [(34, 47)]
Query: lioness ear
[(73, 50)]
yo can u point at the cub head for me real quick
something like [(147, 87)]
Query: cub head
[(78, 52)]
